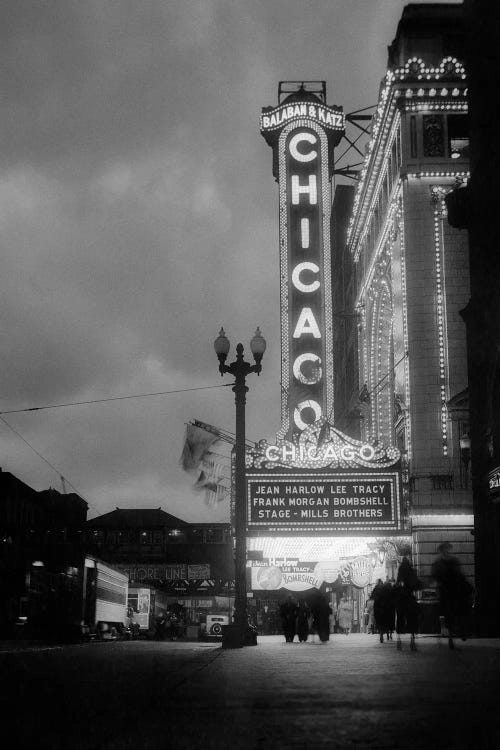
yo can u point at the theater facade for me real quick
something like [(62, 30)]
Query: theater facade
[(325, 510), (372, 458)]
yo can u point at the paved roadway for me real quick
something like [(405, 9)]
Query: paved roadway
[(351, 693)]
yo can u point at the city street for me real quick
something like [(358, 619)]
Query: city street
[(352, 692)]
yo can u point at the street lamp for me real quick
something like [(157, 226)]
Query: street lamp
[(236, 633)]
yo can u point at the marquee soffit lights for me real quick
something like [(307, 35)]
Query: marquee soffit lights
[(414, 70), (319, 548)]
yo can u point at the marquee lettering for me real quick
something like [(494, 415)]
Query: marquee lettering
[(314, 371), (313, 407), (300, 285), (300, 138), (306, 325), (309, 189)]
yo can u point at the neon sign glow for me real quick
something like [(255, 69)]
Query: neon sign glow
[(302, 135), (321, 446)]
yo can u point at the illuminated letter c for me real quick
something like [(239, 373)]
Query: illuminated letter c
[(295, 140), (314, 373), (298, 284)]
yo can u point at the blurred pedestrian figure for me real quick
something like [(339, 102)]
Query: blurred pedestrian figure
[(370, 620), (161, 627), (288, 613), (345, 614), (383, 609), (303, 615), (321, 611), (171, 626), (391, 605), (455, 592), (406, 605)]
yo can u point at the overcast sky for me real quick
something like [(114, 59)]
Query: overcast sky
[(138, 214)]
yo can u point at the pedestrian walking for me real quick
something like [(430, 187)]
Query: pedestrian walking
[(321, 611), (303, 615), (370, 615), (454, 591), (345, 614), (288, 613), (384, 609), (406, 604)]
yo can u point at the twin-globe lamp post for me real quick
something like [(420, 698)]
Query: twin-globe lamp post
[(237, 634)]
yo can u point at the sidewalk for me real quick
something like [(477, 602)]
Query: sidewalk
[(352, 693)]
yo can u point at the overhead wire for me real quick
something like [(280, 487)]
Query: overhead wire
[(64, 479), (112, 398)]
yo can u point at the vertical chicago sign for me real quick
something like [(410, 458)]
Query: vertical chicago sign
[(314, 479), (303, 132)]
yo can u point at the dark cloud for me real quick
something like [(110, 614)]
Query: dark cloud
[(138, 214)]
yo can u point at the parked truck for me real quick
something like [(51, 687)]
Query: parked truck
[(105, 592)]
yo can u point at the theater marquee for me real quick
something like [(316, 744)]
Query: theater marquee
[(323, 481), (323, 501)]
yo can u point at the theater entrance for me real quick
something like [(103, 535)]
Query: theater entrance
[(337, 566)]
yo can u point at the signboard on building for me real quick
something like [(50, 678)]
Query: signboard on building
[(296, 575), (302, 134), (323, 481), (494, 481), (323, 501), (166, 573)]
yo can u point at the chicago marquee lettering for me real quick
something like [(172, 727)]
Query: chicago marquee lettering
[(303, 160), (303, 134)]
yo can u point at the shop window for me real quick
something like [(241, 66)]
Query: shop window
[(123, 538), (442, 482), (458, 136), (145, 537), (176, 536), (413, 137), (433, 131), (214, 536), (97, 536), (197, 536), (158, 537)]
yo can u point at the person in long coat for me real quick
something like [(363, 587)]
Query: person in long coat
[(288, 613), (406, 604), (370, 622), (345, 614), (321, 612), (384, 609), (455, 593), (303, 615)]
